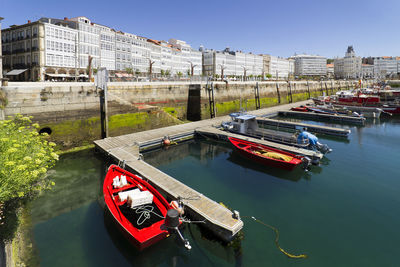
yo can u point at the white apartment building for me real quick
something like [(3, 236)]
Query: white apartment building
[(309, 65), (60, 48), (278, 68), (1, 63), (367, 70), (89, 42), (141, 53), (348, 67), (107, 47), (385, 67), (230, 63)]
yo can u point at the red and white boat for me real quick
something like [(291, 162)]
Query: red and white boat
[(358, 99), (267, 155), (136, 206)]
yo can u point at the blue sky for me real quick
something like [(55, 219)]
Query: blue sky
[(279, 28)]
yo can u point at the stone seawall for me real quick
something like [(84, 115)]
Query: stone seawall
[(71, 110)]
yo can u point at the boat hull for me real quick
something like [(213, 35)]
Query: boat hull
[(251, 154), (141, 238)]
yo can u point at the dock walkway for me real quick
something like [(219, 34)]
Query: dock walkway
[(326, 117), (333, 131)]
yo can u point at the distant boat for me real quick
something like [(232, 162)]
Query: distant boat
[(136, 206), (267, 155)]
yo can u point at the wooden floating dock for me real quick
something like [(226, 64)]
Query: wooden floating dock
[(333, 131), (223, 135), (218, 219), (318, 116)]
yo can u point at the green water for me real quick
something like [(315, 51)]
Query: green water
[(342, 213)]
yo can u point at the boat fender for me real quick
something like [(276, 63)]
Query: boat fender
[(175, 205), (166, 141)]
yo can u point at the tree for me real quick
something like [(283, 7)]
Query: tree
[(179, 74), (137, 72), (162, 72), (129, 70), (167, 72), (329, 61), (25, 157), (188, 72)]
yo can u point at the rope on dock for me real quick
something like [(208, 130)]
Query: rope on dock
[(277, 239)]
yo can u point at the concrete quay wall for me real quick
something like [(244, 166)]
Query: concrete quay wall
[(39, 98), (72, 110)]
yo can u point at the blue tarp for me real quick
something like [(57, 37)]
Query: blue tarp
[(312, 139)]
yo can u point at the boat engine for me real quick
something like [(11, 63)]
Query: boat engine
[(306, 163), (172, 223), (324, 148)]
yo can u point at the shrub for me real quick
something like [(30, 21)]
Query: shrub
[(25, 157)]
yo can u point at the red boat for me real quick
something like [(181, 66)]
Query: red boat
[(266, 155), (300, 108), (137, 207)]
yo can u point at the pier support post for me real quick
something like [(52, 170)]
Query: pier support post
[(321, 88), (257, 96), (290, 92), (101, 82), (277, 91), (326, 89), (193, 105)]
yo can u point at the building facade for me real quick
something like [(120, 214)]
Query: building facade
[(232, 63), (330, 70), (309, 65), (385, 67), (61, 49), (348, 67), (367, 70), (278, 68), (1, 62)]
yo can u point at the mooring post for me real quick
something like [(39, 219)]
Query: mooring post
[(322, 88), (290, 92), (101, 82), (326, 89), (277, 91), (308, 90), (211, 99), (257, 96)]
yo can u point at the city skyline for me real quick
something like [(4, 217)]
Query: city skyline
[(279, 29)]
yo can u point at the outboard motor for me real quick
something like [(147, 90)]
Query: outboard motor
[(324, 148), (313, 141), (172, 223), (306, 163)]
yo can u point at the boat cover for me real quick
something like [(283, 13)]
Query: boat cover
[(312, 139)]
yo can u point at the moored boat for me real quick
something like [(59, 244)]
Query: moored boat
[(137, 207), (268, 155)]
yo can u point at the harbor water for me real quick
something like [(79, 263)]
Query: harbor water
[(341, 213)]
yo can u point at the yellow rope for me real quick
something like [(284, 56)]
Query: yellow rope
[(276, 241)]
